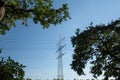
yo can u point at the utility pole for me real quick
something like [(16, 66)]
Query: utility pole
[(60, 75)]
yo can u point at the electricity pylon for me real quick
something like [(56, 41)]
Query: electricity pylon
[(60, 75)]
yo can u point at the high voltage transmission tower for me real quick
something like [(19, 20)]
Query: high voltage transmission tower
[(60, 75)]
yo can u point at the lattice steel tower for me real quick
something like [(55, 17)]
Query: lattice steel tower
[(60, 75)]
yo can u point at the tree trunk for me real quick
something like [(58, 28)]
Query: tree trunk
[(3, 3), (119, 76), (106, 78), (2, 12)]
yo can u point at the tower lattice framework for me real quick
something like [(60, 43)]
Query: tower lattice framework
[(60, 75)]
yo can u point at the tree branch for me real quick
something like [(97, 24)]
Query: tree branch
[(18, 10)]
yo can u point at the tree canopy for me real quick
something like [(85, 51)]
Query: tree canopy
[(11, 70), (99, 46), (40, 11)]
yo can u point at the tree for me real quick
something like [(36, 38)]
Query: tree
[(28, 79), (41, 11), (11, 70), (99, 46)]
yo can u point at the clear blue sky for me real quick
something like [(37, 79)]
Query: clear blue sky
[(36, 48)]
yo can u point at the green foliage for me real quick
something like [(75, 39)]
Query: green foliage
[(41, 11), (99, 45), (11, 70)]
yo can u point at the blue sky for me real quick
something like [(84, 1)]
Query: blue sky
[(36, 47)]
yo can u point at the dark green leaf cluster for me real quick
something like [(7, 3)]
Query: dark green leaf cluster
[(11, 70), (99, 45), (41, 11)]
